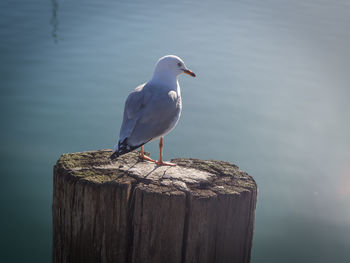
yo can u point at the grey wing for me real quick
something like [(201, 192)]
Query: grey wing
[(159, 115), (132, 111)]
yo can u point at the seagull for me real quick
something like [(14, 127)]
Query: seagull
[(152, 109)]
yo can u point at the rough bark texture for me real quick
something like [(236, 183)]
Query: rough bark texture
[(128, 210)]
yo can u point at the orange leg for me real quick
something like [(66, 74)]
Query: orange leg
[(145, 157), (160, 161)]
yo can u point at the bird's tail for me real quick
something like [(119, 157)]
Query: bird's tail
[(122, 148), (114, 155)]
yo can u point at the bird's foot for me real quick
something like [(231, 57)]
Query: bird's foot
[(161, 163), (145, 157)]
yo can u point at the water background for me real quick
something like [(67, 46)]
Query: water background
[(272, 95)]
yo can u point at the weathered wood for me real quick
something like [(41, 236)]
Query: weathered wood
[(132, 211)]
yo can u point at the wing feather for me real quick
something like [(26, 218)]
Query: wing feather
[(133, 105), (158, 117)]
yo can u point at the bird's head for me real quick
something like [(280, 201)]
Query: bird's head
[(172, 65)]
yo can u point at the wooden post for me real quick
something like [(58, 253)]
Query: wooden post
[(128, 210)]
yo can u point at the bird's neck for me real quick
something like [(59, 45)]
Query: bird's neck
[(166, 79)]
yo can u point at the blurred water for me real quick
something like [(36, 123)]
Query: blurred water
[(272, 95)]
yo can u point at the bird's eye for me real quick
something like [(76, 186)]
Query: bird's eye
[(179, 64)]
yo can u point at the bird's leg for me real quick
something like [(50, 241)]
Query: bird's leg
[(160, 161), (145, 157)]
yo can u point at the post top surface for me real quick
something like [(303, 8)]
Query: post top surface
[(206, 177)]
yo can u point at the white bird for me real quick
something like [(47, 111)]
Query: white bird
[(152, 109)]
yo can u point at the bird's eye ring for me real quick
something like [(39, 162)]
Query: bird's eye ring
[(179, 64)]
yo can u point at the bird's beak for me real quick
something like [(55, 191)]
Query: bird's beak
[(189, 72)]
